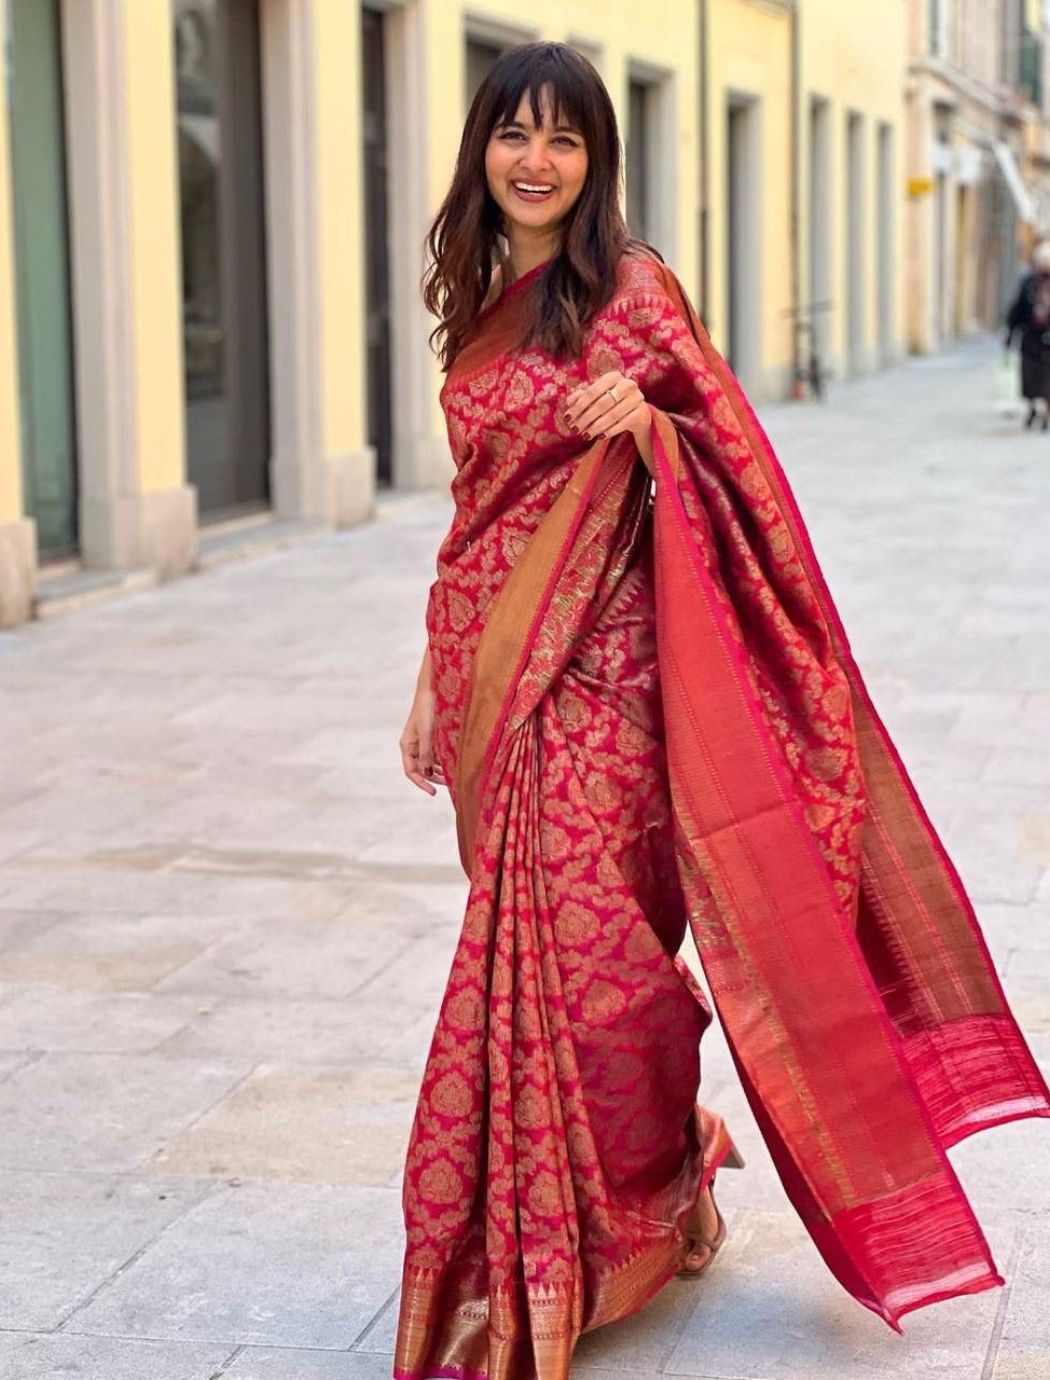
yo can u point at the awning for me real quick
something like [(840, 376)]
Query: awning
[(1004, 156)]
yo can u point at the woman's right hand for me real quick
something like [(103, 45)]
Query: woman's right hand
[(417, 737)]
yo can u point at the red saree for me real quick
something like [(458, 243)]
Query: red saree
[(650, 717)]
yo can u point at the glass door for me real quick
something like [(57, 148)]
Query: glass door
[(223, 253), (41, 246)]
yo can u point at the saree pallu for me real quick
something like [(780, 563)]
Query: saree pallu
[(651, 717)]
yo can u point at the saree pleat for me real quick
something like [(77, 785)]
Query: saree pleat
[(651, 719)]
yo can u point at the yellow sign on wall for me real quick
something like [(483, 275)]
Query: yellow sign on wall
[(920, 186)]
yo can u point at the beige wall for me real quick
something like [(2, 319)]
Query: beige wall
[(340, 243), (956, 108), (153, 240), (750, 59), (124, 190), (855, 57)]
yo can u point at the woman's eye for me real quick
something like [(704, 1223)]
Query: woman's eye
[(516, 135)]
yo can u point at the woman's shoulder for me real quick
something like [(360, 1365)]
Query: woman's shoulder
[(641, 273)]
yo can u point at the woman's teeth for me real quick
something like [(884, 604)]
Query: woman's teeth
[(532, 191)]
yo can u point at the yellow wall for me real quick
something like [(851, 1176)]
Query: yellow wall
[(855, 56), (750, 56), (154, 235), (337, 109)]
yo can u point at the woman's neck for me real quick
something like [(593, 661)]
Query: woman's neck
[(525, 254)]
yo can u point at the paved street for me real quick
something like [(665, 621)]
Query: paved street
[(226, 921)]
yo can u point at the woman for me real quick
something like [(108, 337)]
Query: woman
[(1029, 317), (645, 709)]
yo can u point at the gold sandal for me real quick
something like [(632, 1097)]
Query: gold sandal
[(722, 1149), (697, 1240)]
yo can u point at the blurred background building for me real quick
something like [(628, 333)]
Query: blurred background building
[(979, 159), (212, 215)]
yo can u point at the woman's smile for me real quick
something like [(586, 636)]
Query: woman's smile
[(533, 191)]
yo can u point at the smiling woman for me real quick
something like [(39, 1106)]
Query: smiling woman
[(647, 714)]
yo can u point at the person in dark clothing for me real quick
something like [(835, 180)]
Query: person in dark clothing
[(1029, 317)]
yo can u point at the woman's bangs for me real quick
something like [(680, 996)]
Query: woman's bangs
[(567, 94)]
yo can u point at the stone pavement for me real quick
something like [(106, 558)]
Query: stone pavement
[(226, 921)]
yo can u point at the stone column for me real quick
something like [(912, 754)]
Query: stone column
[(425, 51), (136, 509), (322, 466), (17, 532)]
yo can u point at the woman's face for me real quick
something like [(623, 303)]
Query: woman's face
[(535, 173)]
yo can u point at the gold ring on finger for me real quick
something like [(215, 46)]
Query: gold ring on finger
[(613, 394)]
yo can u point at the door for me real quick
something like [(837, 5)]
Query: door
[(377, 253), (638, 159), (743, 239), (820, 223), (223, 253), (41, 247), (855, 230)]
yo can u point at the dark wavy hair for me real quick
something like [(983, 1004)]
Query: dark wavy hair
[(462, 243)]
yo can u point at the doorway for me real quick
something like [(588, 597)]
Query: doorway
[(641, 99), (887, 228), (820, 234), (42, 279), (855, 228), (225, 337), (743, 262), (377, 244)]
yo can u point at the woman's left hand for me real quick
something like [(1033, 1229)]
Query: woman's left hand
[(607, 406)]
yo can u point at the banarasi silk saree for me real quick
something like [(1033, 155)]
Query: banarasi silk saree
[(652, 723)]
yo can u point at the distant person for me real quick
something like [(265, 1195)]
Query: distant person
[(1029, 316)]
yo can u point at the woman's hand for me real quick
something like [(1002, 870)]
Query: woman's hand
[(417, 738), (609, 405)]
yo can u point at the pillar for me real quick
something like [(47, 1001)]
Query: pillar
[(322, 467), (136, 509)]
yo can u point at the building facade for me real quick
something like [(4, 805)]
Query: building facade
[(212, 216), (211, 239), (804, 110), (979, 160)]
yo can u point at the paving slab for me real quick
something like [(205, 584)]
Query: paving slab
[(319, 1125), (771, 1309), (56, 1356), (309, 1032), (62, 1236), (1028, 989), (271, 1264), (260, 1363), (49, 1018), (19, 926), (106, 952), (103, 1112), (1024, 1346)]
